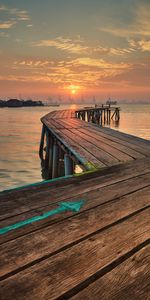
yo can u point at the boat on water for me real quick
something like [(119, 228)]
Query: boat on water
[(111, 102), (53, 104)]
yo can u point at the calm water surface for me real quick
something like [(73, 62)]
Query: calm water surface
[(20, 130)]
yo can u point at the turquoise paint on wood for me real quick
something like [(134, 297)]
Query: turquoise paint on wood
[(63, 206)]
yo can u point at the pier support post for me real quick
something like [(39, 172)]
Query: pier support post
[(68, 165), (61, 169), (55, 160), (47, 149), (50, 163), (88, 116), (42, 143)]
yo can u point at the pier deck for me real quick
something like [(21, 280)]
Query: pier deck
[(91, 145), (94, 247)]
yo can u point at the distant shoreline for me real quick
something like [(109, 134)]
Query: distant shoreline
[(20, 103)]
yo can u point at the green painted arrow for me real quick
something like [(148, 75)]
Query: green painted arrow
[(63, 206)]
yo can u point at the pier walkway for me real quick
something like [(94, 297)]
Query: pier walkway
[(88, 144), (85, 236)]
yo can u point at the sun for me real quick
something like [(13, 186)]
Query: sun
[(73, 89), (73, 92)]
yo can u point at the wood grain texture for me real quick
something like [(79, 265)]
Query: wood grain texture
[(107, 148), (54, 276), (138, 144), (114, 143), (129, 280), (94, 151), (86, 183), (47, 240)]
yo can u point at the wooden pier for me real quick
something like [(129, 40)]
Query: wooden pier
[(85, 236), (67, 139), (99, 115)]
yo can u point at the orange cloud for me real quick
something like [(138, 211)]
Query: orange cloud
[(7, 24)]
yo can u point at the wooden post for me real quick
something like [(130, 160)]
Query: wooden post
[(93, 116), (69, 168), (47, 149), (50, 163), (113, 115), (101, 116), (42, 143), (61, 169), (104, 116), (86, 116), (55, 160), (107, 116), (83, 116)]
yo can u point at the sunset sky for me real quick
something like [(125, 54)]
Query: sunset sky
[(75, 48)]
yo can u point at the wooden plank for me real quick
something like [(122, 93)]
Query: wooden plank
[(70, 123), (86, 182), (30, 247), (60, 123), (129, 280), (74, 145), (106, 140), (49, 198), (92, 199), (140, 145), (104, 157), (53, 124), (60, 114), (128, 137), (66, 123), (55, 276), (123, 157)]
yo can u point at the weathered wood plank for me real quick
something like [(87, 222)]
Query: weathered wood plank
[(123, 157), (128, 137), (74, 145), (21, 251), (101, 155), (102, 138), (138, 144), (70, 123), (52, 124), (92, 198), (129, 280), (85, 183), (38, 204), (57, 275)]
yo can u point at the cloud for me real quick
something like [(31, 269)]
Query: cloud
[(144, 45), (79, 47), (13, 15), (20, 14), (7, 24), (3, 34), (84, 71), (100, 63), (112, 51), (34, 64), (139, 25), (3, 7), (64, 44), (140, 45)]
